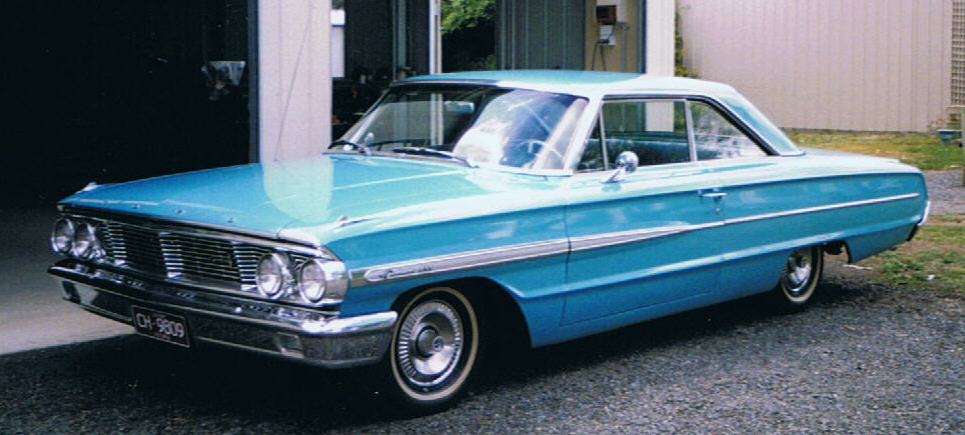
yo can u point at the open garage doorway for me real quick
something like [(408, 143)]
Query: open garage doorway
[(468, 35), (374, 43), (116, 90)]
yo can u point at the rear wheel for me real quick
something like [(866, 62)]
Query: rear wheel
[(434, 349), (799, 279)]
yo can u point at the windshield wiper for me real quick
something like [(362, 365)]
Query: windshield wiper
[(363, 149), (420, 151), (378, 144)]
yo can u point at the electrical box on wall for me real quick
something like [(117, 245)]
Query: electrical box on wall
[(608, 14), (614, 11)]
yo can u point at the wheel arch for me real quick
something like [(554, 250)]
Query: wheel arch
[(494, 303)]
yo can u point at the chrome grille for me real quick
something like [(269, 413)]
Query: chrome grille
[(195, 257), (246, 260), (181, 255), (135, 246)]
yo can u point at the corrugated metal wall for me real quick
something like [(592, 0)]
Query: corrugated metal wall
[(878, 65), (539, 34)]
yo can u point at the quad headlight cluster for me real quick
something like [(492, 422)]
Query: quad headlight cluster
[(314, 281), (76, 239), (291, 276)]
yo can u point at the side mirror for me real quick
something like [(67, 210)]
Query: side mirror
[(626, 163)]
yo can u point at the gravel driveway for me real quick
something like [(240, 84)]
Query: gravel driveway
[(946, 192), (864, 358)]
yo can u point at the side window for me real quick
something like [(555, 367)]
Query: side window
[(592, 159), (715, 137), (656, 130)]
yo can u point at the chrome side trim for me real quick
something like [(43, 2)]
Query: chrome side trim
[(486, 257), (624, 237), (461, 261), (839, 205)]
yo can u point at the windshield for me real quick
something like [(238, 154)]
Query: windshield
[(480, 124)]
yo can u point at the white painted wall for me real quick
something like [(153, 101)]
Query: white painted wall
[(295, 82), (876, 65), (660, 37)]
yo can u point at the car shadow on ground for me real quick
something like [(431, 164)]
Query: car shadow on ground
[(144, 384), (718, 320)]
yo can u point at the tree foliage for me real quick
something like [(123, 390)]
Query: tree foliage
[(680, 70), (465, 14)]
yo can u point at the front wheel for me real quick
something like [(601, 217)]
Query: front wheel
[(799, 279), (435, 346)]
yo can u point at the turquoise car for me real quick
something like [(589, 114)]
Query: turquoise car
[(468, 211)]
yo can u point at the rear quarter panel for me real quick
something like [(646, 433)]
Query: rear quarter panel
[(775, 205)]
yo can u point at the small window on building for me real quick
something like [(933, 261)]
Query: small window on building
[(715, 137), (337, 39)]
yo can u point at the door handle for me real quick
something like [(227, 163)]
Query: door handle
[(717, 196)]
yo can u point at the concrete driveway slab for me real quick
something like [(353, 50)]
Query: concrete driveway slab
[(32, 315)]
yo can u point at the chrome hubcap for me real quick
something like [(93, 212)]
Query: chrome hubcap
[(429, 343), (797, 272)]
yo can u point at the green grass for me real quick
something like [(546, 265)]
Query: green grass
[(950, 218), (924, 151), (935, 259)]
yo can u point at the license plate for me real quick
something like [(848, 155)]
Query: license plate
[(162, 326)]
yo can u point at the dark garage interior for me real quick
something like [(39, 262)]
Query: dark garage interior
[(112, 91)]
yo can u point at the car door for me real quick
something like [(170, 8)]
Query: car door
[(645, 245), (751, 183)]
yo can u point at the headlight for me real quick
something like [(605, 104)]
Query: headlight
[(85, 244), (274, 275), (321, 281), (311, 281), (62, 236)]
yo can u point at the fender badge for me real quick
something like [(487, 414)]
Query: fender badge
[(376, 275)]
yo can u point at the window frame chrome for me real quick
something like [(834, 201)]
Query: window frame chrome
[(597, 116), (596, 96)]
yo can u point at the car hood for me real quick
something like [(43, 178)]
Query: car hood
[(301, 199)]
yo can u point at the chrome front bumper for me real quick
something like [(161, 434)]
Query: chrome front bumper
[(316, 337)]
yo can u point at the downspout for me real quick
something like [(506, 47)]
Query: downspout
[(642, 36), (254, 131)]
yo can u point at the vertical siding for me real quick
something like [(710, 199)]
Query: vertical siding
[(880, 65), (295, 84), (539, 34)]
